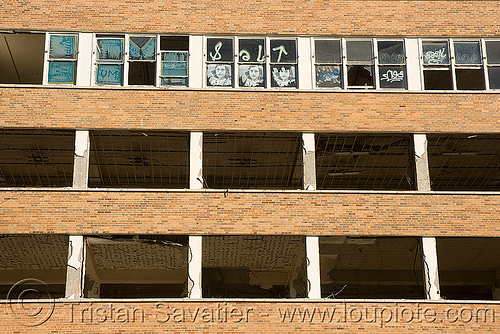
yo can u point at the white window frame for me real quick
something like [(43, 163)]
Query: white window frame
[(47, 59), (453, 66), (206, 62), (159, 60), (238, 63), (123, 62), (270, 63), (128, 60)]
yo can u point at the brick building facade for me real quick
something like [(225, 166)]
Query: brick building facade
[(315, 166)]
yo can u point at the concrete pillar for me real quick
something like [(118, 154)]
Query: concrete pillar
[(308, 162), (313, 269), (92, 284), (84, 61), (421, 162), (196, 161), (413, 72), (195, 266), (304, 63), (195, 66), (431, 276), (81, 160), (74, 268)]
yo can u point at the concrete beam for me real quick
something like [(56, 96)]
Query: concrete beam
[(430, 262), (195, 266), (308, 161), (196, 160), (421, 162), (74, 273), (313, 268), (81, 160)]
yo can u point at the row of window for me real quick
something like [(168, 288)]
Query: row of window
[(342, 63)]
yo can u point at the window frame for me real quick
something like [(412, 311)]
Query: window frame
[(47, 59), (453, 66), (96, 61), (159, 64)]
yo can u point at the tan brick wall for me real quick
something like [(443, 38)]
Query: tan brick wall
[(244, 213), (243, 110), (254, 317), (318, 17)]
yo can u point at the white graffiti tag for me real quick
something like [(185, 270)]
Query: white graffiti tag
[(393, 76), (435, 57)]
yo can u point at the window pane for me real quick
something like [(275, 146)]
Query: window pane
[(109, 74), (494, 74), (436, 53), (61, 72), (438, 80), (141, 73), (283, 51), (328, 76), (252, 75), (470, 79), (219, 75), (283, 76), (359, 51), (142, 48), (327, 52), (391, 52), (220, 49), (109, 49), (252, 50), (392, 77), (62, 47), (358, 75), (467, 53), (177, 69), (493, 52), (173, 81), (174, 56)]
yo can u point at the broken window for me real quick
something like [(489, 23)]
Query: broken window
[(359, 64), (142, 60), (371, 267), (174, 60), (328, 63), (36, 158), (252, 62), (283, 63), (21, 58), (464, 162), (254, 267), (364, 161), (493, 59), (437, 70), (252, 160), (63, 52), (109, 60), (38, 260), (220, 62), (141, 266), (140, 159), (469, 268)]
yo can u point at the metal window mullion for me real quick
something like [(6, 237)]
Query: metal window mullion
[(344, 63), (158, 62), (236, 62), (45, 77), (485, 64), (452, 63), (94, 61), (205, 64), (126, 59), (313, 62), (376, 83), (268, 62)]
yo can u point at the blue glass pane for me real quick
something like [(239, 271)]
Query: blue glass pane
[(142, 48), (62, 47), (173, 81), (174, 56), (110, 49), (109, 74), (174, 69), (61, 72)]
